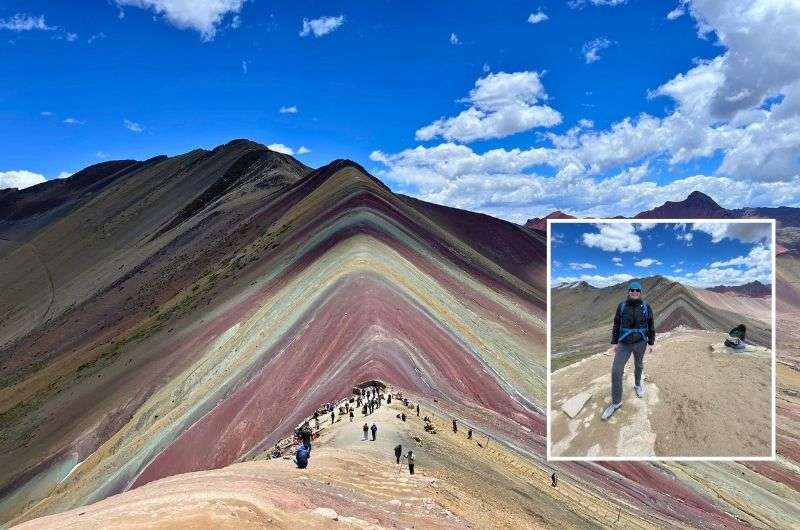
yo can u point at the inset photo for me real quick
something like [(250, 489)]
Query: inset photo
[(660, 339)]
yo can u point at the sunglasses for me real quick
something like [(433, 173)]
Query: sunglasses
[(634, 290)]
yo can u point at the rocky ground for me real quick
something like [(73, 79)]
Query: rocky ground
[(698, 402)]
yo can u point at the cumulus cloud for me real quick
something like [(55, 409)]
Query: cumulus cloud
[(454, 40), (19, 179), (591, 50), (203, 16), (678, 12), (581, 266), (285, 149), (617, 261), (577, 4), (597, 280), (132, 126), (538, 17), (647, 262), (614, 237), (288, 110), (24, 22), (745, 232), (501, 104), (756, 265), (321, 26), (754, 130)]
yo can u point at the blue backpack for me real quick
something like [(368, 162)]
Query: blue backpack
[(624, 332), (302, 456)]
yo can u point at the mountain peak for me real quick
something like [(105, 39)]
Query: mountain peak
[(699, 196), (696, 205)]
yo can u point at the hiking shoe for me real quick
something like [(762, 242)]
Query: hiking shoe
[(611, 409), (639, 390)]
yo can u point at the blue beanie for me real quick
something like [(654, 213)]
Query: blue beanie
[(635, 285)]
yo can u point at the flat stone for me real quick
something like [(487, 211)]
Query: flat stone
[(573, 405)]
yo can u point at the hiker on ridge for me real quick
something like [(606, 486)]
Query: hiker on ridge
[(366, 429), (633, 331), (374, 430), (398, 451), (410, 457)]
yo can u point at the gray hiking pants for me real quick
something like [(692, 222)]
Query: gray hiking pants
[(621, 356)]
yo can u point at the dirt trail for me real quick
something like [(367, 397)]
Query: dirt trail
[(698, 402)]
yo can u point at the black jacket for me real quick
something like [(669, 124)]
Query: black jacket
[(632, 317)]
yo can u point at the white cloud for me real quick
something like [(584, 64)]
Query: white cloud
[(591, 49), (619, 237), (23, 22), (454, 40), (501, 104), (581, 266), (597, 280), (536, 18), (20, 179), (678, 12), (718, 110), (577, 4), (72, 121), (756, 265), (132, 126), (63, 175), (647, 262), (46, 113), (678, 270), (321, 26), (245, 65), (101, 154), (203, 16), (95, 37), (486, 68), (745, 232), (617, 261), (285, 149), (288, 110), (685, 236), (280, 148)]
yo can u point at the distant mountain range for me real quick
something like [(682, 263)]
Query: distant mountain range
[(582, 314), (698, 205), (755, 289)]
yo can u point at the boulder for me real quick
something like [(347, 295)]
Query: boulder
[(573, 405)]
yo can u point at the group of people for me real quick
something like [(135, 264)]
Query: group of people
[(368, 399), (398, 452)]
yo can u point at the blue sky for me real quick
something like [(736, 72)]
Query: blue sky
[(595, 107), (703, 254)]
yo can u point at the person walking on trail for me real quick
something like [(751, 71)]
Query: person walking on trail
[(374, 430), (553, 480), (417, 410), (366, 430), (305, 435), (333, 417), (469, 434), (633, 330), (410, 458), (403, 416), (455, 426), (364, 409), (398, 452), (351, 415)]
